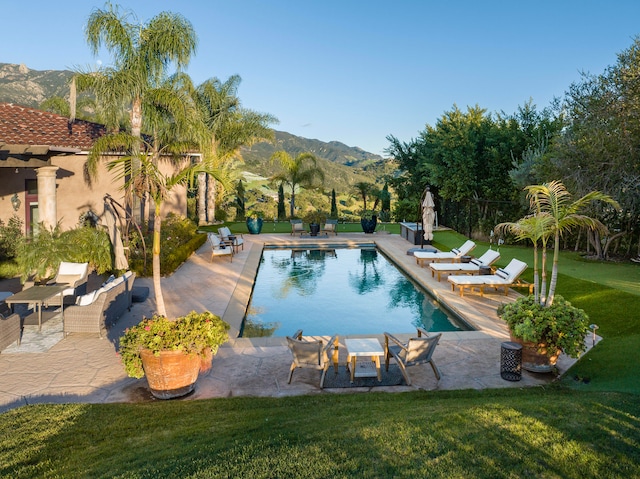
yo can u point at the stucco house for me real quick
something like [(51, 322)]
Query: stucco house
[(42, 170)]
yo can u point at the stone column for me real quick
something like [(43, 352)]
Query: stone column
[(47, 197)]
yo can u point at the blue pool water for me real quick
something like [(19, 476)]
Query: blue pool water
[(338, 291)]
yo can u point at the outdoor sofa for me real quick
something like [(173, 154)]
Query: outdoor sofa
[(98, 310)]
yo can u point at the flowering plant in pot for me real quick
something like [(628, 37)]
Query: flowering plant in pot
[(156, 342), (547, 331)]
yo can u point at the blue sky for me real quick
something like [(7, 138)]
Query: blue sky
[(357, 71)]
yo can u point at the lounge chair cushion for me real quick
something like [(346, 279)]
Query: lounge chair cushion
[(297, 226), (86, 299), (500, 273)]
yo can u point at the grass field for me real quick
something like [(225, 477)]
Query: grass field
[(585, 426)]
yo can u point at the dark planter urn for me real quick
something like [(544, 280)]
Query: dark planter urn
[(171, 374), (254, 225), (314, 229), (369, 225)]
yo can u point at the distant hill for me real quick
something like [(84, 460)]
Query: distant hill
[(20, 85), (343, 165)]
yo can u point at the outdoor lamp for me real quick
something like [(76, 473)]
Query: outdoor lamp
[(593, 327), (15, 202)]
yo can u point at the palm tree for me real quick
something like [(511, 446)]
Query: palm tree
[(533, 228), (303, 171), (142, 55), (553, 199), (230, 127), (159, 186)]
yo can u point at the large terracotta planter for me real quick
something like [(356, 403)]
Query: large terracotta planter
[(171, 374), (535, 358)]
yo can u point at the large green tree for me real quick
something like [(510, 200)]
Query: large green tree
[(600, 147), (301, 171), (133, 87)]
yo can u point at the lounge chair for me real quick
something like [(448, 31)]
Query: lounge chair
[(218, 248), (297, 228), (312, 354), (473, 267), (449, 256), (235, 240), (415, 351), (75, 275), (330, 226), (503, 278)]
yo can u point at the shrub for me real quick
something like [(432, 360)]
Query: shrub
[(179, 240), (40, 255), (10, 238)]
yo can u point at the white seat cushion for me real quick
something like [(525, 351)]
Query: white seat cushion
[(86, 299)]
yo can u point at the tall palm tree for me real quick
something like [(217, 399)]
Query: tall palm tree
[(301, 171), (554, 200), (230, 127), (142, 54)]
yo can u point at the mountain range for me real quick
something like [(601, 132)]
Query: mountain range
[(343, 165)]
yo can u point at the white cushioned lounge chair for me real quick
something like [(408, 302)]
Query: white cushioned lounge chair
[(233, 239), (503, 278), (218, 248), (473, 267), (449, 256)]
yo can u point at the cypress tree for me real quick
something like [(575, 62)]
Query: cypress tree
[(282, 212), (240, 206), (334, 206)]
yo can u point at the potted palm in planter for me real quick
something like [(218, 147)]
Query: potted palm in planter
[(543, 322), (545, 332), (171, 353), (315, 219)]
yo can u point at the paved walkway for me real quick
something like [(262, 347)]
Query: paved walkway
[(84, 368)]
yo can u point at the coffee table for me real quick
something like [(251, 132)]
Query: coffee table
[(364, 348), (37, 295)]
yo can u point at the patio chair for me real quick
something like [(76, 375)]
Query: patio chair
[(10, 329), (503, 278), (218, 248), (312, 354), (473, 267), (75, 275), (415, 351), (453, 256), (330, 226), (297, 228), (235, 240)]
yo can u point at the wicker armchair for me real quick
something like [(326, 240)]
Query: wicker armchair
[(311, 354), (415, 351), (10, 329)]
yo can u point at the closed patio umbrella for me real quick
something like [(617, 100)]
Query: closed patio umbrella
[(428, 215), (109, 220)]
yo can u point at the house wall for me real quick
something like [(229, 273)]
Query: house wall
[(76, 193)]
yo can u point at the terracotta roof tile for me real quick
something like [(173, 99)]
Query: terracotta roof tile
[(27, 126)]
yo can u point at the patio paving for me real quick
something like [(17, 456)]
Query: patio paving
[(84, 368)]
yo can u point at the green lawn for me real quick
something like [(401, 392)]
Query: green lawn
[(585, 426)]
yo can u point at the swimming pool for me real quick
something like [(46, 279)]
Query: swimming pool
[(345, 291)]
